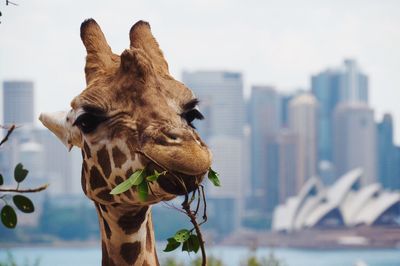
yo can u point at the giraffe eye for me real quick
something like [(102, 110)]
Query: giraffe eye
[(191, 115), (88, 122)]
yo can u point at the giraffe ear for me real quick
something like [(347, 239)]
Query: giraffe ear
[(141, 37), (61, 126), (99, 53)]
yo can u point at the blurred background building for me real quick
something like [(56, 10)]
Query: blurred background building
[(222, 103)]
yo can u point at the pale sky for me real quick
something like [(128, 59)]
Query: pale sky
[(280, 43)]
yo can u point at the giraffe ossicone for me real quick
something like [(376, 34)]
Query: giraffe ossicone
[(132, 115)]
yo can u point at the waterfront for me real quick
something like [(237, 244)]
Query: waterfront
[(231, 256)]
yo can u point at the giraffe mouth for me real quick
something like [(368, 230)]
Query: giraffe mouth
[(173, 182), (176, 183)]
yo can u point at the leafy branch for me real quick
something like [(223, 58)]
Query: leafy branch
[(190, 241), (23, 203)]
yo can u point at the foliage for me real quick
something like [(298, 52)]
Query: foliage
[(10, 261), (211, 261), (170, 262), (24, 204), (271, 260)]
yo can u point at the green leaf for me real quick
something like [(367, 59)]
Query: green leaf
[(143, 190), (20, 173), (155, 176), (172, 245), (135, 179), (23, 203), (214, 177), (182, 235), (1, 180), (192, 244), (8, 216)]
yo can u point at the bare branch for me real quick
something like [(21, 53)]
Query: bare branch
[(29, 190), (9, 132), (12, 3)]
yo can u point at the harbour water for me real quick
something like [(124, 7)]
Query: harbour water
[(231, 256)]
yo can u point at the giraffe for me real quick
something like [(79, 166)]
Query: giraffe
[(132, 115)]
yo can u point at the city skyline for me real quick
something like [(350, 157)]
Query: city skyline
[(283, 149), (277, 46)]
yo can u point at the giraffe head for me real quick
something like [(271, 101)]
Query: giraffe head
[(133, 114)]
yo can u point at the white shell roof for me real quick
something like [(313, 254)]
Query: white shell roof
[(362, 206), (353, 204), (376, 206)]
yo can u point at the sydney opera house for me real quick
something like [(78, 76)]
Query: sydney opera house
[(347, 203)]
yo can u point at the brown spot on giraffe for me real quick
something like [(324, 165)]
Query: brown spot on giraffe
[(119, 157), (107, 228), (83, 179), (86, 150), (130, 252), (103, 207), (105, 195), (130, 223), (103, 159), (131, 105), (96, 178), (118, 180)]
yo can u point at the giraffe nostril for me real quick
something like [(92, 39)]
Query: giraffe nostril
[(173, 135)]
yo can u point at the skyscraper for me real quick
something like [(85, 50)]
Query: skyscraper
[(326, 88), (265, 122), (354, 87), (344, 84), (18, 102), (287, 164), (221, 102), (355, 140), (387, 159), (303, 123)]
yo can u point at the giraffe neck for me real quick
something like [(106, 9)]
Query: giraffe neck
[(127, 236)]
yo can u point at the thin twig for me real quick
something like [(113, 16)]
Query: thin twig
[(189, 213), (9, 131), (205, 206), (198, 202), (29, 190), (186, 207), (9, 2)]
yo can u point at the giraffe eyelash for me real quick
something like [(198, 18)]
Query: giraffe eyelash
[(88, 122), (191, 115)]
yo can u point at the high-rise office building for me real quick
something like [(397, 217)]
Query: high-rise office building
[(344, 84), (62, 168), (354, 86), (326, 88), (355, 140), (222, 104), (265, 122), (387, 159), (287, 164), (284, 104), (303, 123), (18, 102), (221, 101)]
